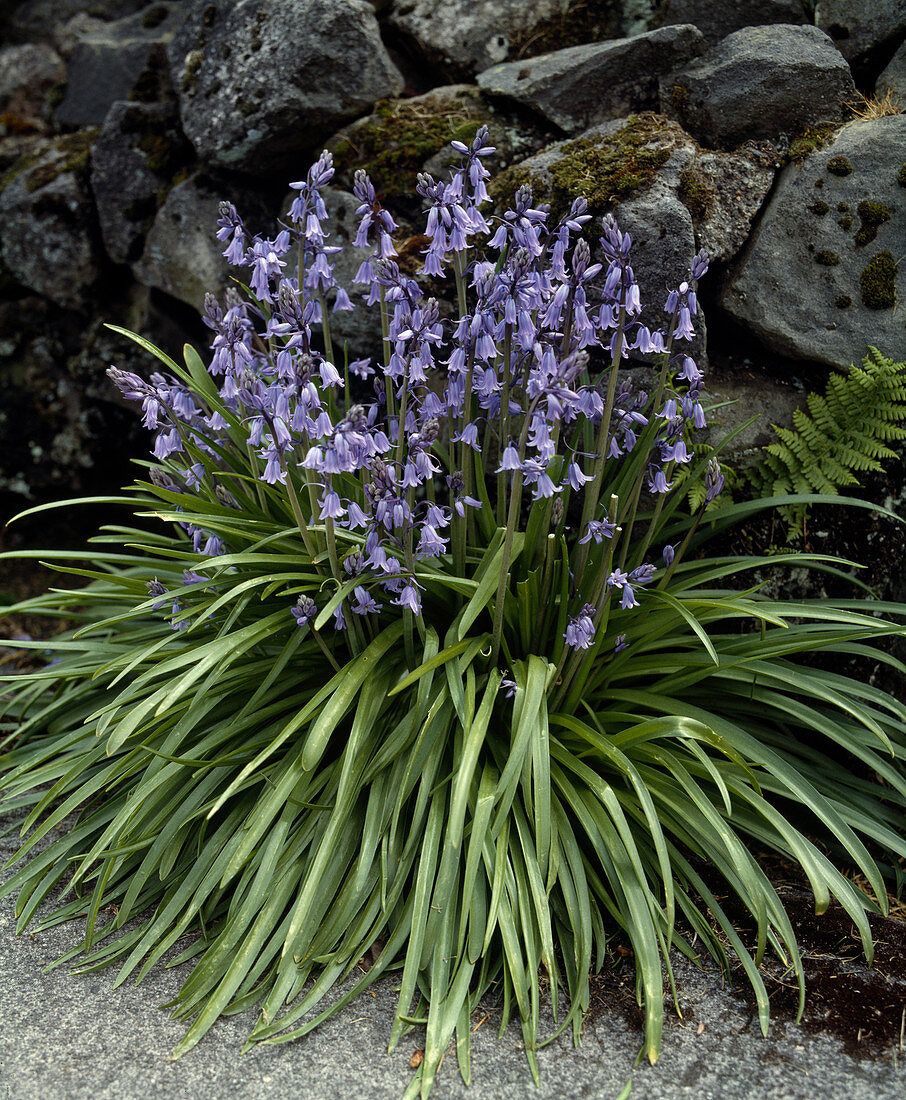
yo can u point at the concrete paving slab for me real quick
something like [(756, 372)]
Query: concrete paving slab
[(65, 1037)]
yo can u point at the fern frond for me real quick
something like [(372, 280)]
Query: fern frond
[(845, 431)]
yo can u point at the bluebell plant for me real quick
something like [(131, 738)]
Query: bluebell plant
[(423, 656)]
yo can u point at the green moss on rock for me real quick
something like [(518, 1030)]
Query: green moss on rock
[(871, 215), (901, 176), (843, 302), (42, 168), (843, 207), (679, 94), (577, 23), (608, 169), (696, 192), (877, 283), (155, 15), (604, 169), (809, 140), (846, 222), (839, 166), (827, 258), (394, 143), (820, 207)]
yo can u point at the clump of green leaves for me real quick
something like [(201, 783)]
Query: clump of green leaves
[(450, 676), (847, 431)]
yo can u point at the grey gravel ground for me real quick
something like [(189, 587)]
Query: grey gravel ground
[(73, 1038)]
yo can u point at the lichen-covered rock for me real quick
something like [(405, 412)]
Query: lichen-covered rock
[(466, 36), (760, 82), (717, 20), (583, 85), (893, 79), (664, 189), (28, 74), (859, 26), (182, 256), (40, 20), (137, 152), (110, 60), (723, 192), (403, 137), (259, 82), (49, 238), (821, 278), (613, 162)]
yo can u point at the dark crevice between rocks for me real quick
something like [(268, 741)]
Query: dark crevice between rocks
[(420, 72), (868, 68)]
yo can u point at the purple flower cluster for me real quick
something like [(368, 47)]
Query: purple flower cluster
[(508, 382)]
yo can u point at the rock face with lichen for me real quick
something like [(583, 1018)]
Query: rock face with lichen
[(466, 36), (49, 241), (181, 255), (860, 26), (194, 101), (760, 82), (259, 82), (583, 85), (672, 196), (821, 278), (718, 18), (28, 74), (135, 157), (110, 59)]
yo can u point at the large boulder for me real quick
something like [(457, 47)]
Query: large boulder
[(259, 82), (760, 82), (49, 241), (28, 74), (859, 26), (463, 37), (182, 256), (668, 193), (110, 59), (137, 152), (717, 20), (821, 278), (583, 85)]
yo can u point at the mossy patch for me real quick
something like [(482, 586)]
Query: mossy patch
[(820, 208), (577, 23), (679, 94), (872, 215), (901, 176), (394, 143), (843, 302), (153, 84), (155, 15), (877, 283), (840, 166), (696, 192), (603, 169), (827, 258), (846, 222), (843, 207), (809, 140), (164, 153), (42, 168)]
